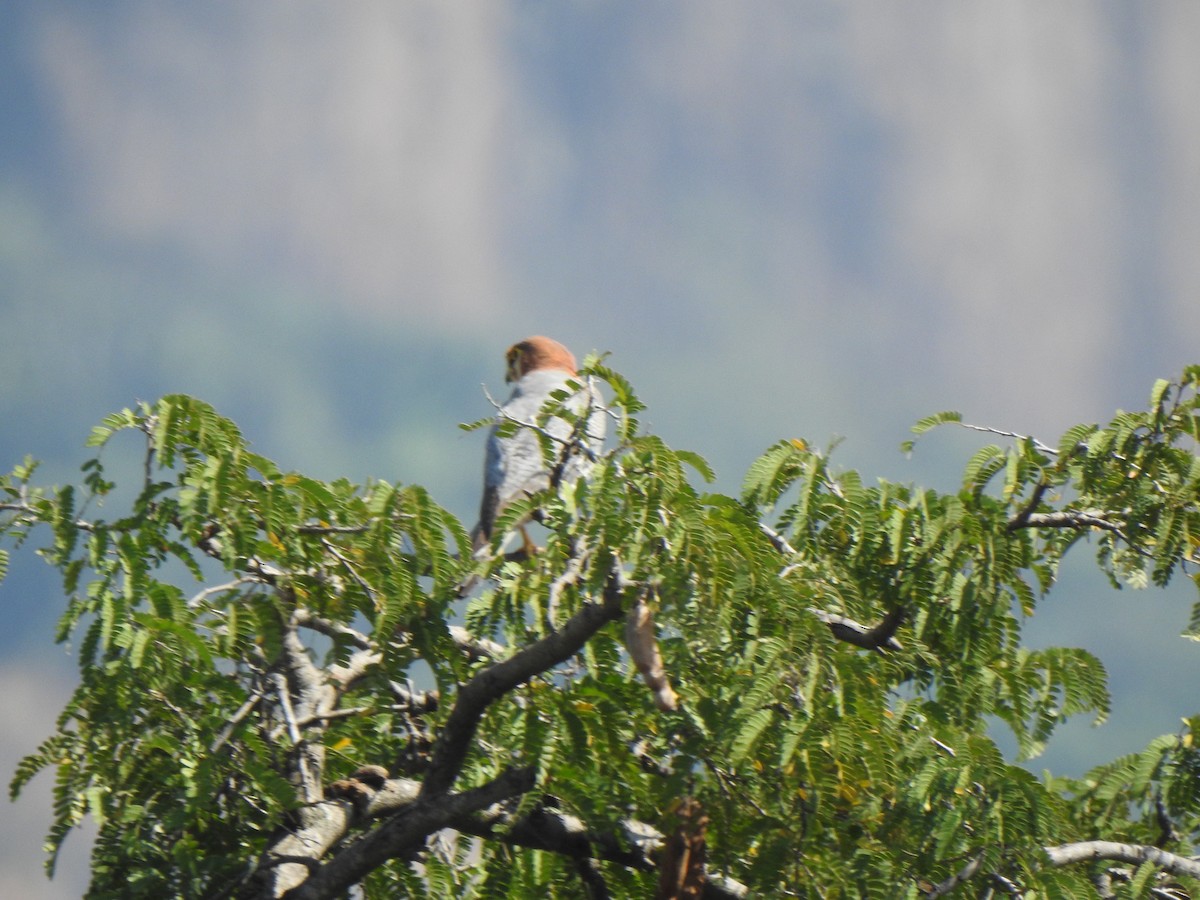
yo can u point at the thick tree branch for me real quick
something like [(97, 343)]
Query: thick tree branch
[(1083, 851), (1065, 519), (314, 829), (1135, 854), (557, 832), (323, 824), (305, 695), (493, 682), (1021, 519), (367, 795), (407, 830), (290, 859)]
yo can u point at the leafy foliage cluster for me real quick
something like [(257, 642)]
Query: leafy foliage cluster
[(249, 639)]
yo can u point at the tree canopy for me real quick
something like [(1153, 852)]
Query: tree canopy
[(286, 691)]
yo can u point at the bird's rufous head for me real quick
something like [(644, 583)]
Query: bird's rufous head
[(537, 352)]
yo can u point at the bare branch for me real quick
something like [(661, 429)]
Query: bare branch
[(636, 847), (1038, 445), (1021, 519), (414, 700), (202, 596), (1066, 519), (778, 540), (1007, 885), (236, 719), (317, 828), (262, 572), (305, 695), (880, 637), (1083, 851), (966, 873), (315, 528), (309, 788), (1135, 854), (502, 415), (592, 878), (26, 509), (333, 551), (1168, 833), (306, 618), (474, 647)]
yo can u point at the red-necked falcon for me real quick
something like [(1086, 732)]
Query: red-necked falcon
[(515, 466)]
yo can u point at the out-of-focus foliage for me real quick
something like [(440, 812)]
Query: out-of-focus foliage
[(248, 638)]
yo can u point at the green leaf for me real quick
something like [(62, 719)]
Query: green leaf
[(749, 730), (697, 462), (932, 421), (624, 396), (1158, 393), (772, 473), (983, 465), (485, 422)]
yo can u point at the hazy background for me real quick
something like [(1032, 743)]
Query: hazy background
[(812, 219)]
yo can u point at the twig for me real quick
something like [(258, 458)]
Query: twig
[(571, 574), (306, 618), (945, 748), (362, 582), (880, 637), (577, 438), (308, 786), (1043, 448), (413, 700), (1167, 830), (315, 528), (25, 508), (199, 599), (1007, 885), (235, 720), (964, 874)]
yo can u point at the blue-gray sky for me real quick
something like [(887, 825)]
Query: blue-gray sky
[(783, 219)]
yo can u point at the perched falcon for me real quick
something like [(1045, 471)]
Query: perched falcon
[(537, 367)]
